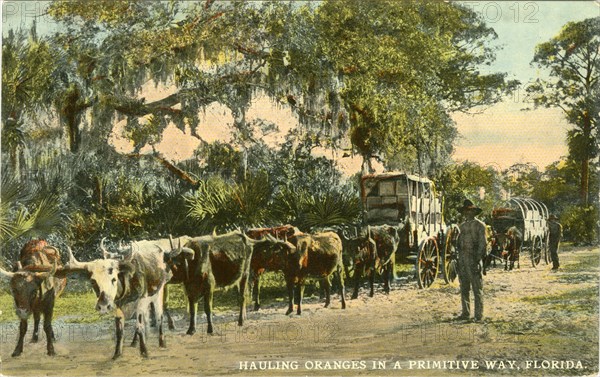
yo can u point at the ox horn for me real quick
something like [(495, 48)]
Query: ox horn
[(105, 253), (47, 274), (129, 255), (19, 266), (171, 242), (74, 263), (271, 238), (5, 275)]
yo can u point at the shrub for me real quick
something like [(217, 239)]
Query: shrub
[(580, 224)]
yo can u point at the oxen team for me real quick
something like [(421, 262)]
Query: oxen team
[(131, 280)]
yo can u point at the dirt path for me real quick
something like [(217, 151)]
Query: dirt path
[(538, 322)]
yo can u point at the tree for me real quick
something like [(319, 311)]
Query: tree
[(468, 181), (28, 67), (520, 179), (372, 72), (573, 61)]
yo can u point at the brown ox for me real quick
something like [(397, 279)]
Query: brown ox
[(263, 258), (318, 255), (207, 262), (511, 242), (375, 252), (35, 289)]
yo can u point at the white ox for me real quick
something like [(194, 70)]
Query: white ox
[(129, 286)]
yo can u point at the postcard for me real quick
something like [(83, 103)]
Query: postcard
[(299, 188)]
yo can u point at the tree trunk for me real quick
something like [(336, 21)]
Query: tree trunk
[(74, 133), (585, 180), (585, 163)]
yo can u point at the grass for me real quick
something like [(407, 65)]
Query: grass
[(583, 301), (77, 303)]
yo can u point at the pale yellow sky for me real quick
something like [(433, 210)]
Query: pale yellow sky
[(504, 134), (501, 135)]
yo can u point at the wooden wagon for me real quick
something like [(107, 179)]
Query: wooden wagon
[(530, 218), (412, 204)]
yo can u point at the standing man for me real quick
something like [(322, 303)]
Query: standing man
[(472, 245), (554, 237)]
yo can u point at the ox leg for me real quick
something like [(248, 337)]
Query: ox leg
[(48, 329), (36, 326), (208, 299), (152, 315), (22, 330), (119, 323), (358, 271), (170, 321), (340, 272), (162, 342), (192, 302), (327, 287), (141, 331), (134, 341), (166, 309), (242, 299), (300, 296), (290, 288), (372, 283), (387, 273)]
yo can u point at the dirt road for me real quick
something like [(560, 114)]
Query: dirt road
[(538, 322)]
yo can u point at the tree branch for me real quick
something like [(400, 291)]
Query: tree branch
[(167, 164)]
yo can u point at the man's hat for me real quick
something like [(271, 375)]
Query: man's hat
[(552, 217), (468, 206)]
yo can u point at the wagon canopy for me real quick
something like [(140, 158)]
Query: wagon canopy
[(527, 214), (395, 197)]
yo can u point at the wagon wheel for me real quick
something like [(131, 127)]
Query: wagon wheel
[(536, 250), (450, 254), (427, 263)]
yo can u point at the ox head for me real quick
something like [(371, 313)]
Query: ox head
[(28, 287), (109, 278), (178, 259), (273, 251)]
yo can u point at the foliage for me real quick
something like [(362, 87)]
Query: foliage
[(217, 205), (573, 63), (336, 206), (580, 224), (520, 179), (468, 181), (377, 79)]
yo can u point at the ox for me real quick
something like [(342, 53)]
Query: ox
[(361, 250), (132, 283), (265, 257), (377, 255), (317, 255), (218, 261), (35, 289), (163, 244), (510, 242)]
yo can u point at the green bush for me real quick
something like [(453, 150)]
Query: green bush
[(580, 224)]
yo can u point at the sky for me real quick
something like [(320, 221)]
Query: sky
[(498, 136), (505, 134)]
